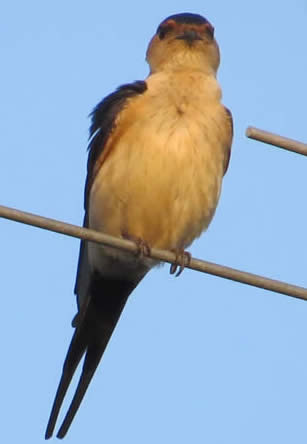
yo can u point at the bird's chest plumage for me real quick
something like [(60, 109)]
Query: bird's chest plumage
[(161, 180)]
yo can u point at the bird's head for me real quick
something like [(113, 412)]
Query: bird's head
[(184, 41)]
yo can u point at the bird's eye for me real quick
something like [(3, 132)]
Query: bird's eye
[(163, 30), (210, 30)]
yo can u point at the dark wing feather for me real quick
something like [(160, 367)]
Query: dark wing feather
[(230, 119), (103, 121), (100, 300)]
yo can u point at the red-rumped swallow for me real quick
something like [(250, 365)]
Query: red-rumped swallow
[(158, 151)]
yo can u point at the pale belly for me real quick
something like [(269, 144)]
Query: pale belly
[(162, 186)]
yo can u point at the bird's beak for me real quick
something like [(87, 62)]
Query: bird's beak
[(190, 35)]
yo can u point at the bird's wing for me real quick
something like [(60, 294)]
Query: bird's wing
[(229, 134), (100, 300)]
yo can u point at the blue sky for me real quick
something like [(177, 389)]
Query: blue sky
[(195, 359)]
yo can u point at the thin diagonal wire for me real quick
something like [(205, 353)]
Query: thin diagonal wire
[(276, 140), (160, 255)]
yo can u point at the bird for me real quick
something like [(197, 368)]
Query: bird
[(158, 151)]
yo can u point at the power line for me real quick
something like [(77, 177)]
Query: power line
[(160, 255), (276, 140)]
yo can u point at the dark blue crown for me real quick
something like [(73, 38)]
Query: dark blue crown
[(188, 19)]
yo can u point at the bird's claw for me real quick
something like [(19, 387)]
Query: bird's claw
[(143, 249), (183, 258)]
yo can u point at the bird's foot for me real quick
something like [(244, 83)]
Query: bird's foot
[(183, 258), (143, 249)]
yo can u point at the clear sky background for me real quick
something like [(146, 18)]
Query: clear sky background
[(196, 359)]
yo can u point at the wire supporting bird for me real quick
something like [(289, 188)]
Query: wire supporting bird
[(158, 151)]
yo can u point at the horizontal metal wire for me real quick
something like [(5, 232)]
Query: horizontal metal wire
[(161, 255), (276, 140)]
